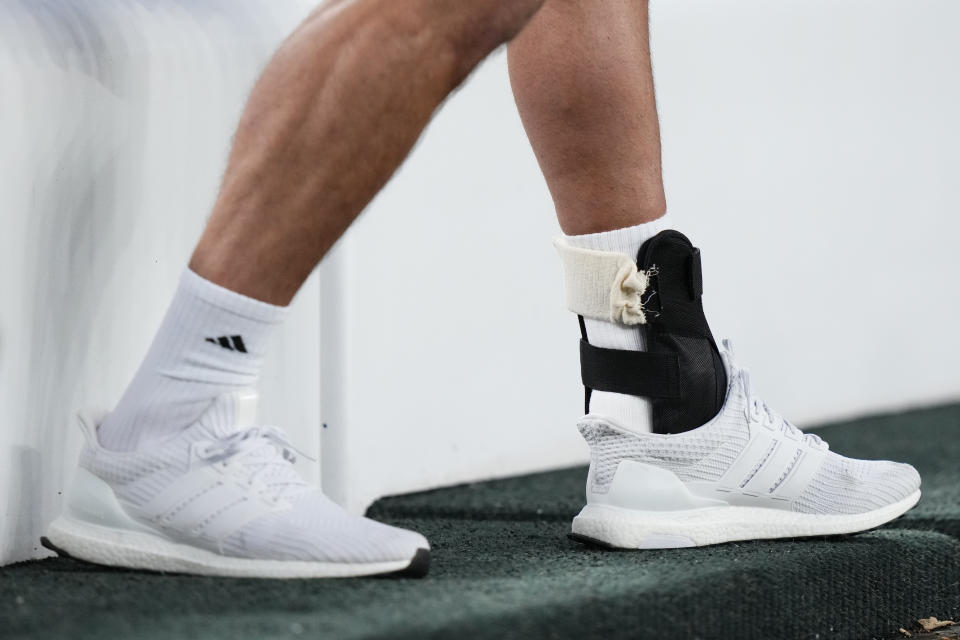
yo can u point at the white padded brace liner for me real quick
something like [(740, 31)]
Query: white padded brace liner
[(603, 285)]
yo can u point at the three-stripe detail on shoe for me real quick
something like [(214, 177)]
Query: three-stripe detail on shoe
[(233, 343), (773, 465), (798, 454), (205, 504)]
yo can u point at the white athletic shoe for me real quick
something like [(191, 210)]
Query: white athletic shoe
[(220, 498), (747, 474)]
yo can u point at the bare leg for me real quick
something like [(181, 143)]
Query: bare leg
[(582, 79), (581, 75), (335, 113), (583, 84)]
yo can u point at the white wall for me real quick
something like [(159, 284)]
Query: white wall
[(809, 150), (474, 371)]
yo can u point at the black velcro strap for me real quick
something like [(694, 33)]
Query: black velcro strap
[(635, 373), (696, 276)]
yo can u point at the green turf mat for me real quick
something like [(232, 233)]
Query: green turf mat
[(519, 580), (503, 568)]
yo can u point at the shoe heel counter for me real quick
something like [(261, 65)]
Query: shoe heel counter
[(644, 487), (599, 435), (91, 500), (590, 432)]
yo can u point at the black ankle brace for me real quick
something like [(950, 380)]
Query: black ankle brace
[(681, 371)]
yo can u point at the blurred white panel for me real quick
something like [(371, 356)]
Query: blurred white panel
[(810, 150), (116, 121)]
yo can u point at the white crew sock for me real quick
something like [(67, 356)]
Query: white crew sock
[(630, 411), (212, 341)]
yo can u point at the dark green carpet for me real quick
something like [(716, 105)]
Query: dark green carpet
[(504, 569)]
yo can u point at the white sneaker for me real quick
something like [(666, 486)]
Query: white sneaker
[(220, 498), (747, 474)]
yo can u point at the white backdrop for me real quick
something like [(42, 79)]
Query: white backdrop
[(809, 150)]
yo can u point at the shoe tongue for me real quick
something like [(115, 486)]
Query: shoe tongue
[(237, 411), (230, 413)]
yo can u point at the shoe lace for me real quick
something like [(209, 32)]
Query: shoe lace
[(264, 455), (761, 411)]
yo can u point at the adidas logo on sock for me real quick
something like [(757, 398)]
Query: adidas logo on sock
[(233, 343)]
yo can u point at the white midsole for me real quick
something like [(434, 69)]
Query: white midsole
[(632, 529), (141, 550)]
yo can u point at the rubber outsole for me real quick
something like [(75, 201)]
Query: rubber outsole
[(587, 541), (101, 553)]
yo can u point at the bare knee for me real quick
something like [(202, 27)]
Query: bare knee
[(468, 30), (445, 37), (495, 22)]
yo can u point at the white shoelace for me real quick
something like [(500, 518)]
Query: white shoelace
[(761, 411), (258, 450)]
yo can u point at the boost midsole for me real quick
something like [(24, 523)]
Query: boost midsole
[(633, 529), (140, 550)]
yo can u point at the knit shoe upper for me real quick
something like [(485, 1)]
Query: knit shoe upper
[(748, 455), (232, 489)]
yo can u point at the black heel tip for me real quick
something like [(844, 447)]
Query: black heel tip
[(419, 567), (45, 542)]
